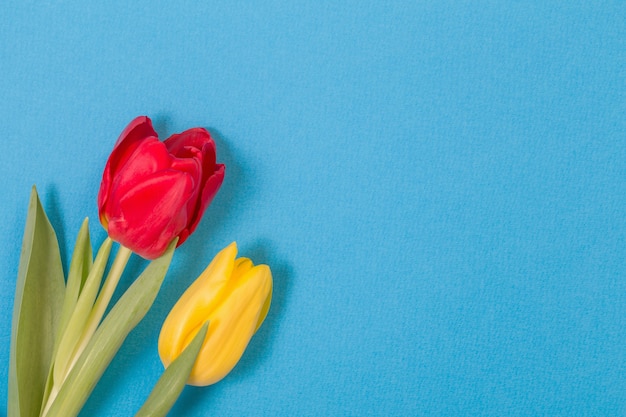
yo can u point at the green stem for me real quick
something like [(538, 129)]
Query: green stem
[(94, 319), (109, 337), (102, 302)]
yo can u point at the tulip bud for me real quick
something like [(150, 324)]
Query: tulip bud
[(153, 191), (232, 295)]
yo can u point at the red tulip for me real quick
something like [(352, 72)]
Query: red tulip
[(153, 191)]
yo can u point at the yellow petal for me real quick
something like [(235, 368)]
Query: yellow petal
[(194, 306), (231, 326), (242, 265), (268, 300)]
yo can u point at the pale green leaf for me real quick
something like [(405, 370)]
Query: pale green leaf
[(174, 378), (80, 314), (107, 340), (37, 308), (82, 259)]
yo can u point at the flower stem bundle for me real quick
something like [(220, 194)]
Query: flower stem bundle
[(65, 332)]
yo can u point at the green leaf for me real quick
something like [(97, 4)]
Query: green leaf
[(107, 340), (82, 259), (171, 384), (80, 314), (37, 307)]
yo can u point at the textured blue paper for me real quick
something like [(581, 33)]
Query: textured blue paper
[(438, 186)]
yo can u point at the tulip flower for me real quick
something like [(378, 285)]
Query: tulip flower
[(233, 296), (153, 191)]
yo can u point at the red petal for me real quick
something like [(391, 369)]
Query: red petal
[(208, 192), (138, 129), (149, 156), (196, 138), (208, 160), (147, 217)]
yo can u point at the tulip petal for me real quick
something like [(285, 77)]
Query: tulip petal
[(190, 166), (194, 169), (179, 143), (197, 144), (208, 159), (137, 157), (264, 310), (232, 295), (209, 190), (231, 327), (148, 157), (138, 129), (142, 219), (194, 305), (242, 265)]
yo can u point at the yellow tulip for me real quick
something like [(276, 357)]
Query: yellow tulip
[(231, 294)]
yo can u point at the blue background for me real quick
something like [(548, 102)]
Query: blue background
[(438, 187)]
